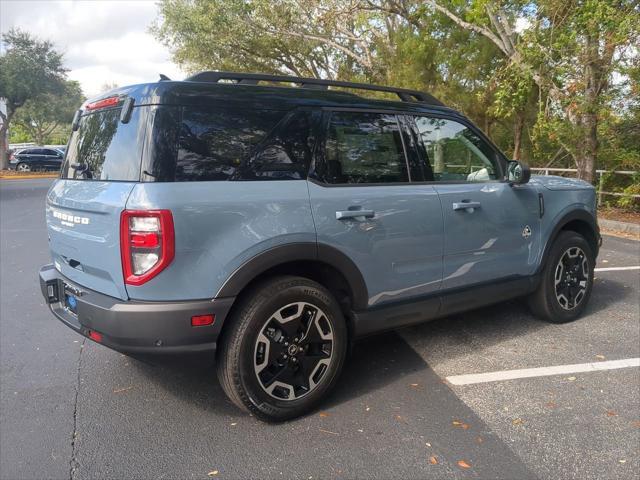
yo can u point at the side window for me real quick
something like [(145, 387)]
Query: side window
[(215, 144), (454, 152), (286, 155), (363, 148)]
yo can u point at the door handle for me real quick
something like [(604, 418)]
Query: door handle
[(341, 215), (466, 205)]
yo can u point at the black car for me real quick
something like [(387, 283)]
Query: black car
[(33, 159)]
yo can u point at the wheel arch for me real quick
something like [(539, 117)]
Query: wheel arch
[(322, 263), (579, 221)]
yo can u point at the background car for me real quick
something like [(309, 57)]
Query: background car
[(35, 159)]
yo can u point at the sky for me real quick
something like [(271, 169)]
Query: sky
[(103, 41)]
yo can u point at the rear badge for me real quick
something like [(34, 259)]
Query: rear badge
[(526, 233), (70, 220)]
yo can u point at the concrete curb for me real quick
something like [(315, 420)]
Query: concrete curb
[(24, 177), (632, 228)]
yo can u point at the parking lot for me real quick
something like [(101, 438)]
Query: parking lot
[(71, 408)]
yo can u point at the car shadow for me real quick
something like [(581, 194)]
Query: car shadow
[(379, 360)]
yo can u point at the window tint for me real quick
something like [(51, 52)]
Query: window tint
[(364, 148), (455, 153), (287, 153), (103, 148), (218, 144), (50, 152)]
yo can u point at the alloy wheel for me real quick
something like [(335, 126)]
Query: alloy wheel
[(293, 351), (571, 278)]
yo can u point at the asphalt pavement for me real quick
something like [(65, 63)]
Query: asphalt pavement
[(70, 408)]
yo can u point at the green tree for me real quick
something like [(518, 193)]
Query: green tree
[(537, 76), (42, 115), (570, 49), (28, 68)]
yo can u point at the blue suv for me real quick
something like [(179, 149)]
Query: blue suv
[(274, 220)]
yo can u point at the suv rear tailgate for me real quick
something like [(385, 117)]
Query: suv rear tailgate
[(83, 221)]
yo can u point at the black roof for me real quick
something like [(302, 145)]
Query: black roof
[(224, 88)]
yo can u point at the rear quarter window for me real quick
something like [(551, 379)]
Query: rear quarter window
[(220, 144), (104, 148)]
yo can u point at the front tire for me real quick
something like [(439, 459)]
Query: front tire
[(283, 349), (23, 167), (567, 280)]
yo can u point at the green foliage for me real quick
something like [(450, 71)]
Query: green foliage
[(41, 116), (557, 78), (29, 68)]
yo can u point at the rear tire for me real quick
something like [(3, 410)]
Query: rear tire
[(567, 280), (283, 348)]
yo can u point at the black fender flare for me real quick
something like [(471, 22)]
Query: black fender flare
[(581, 215), (293, 252)]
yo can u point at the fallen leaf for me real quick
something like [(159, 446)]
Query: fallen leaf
[(636, 423), (328, 431), (550, 405), (324, 414), (234, 424), (428, 444), (212, 473), (479, 440), (462, 425), (414, 385), (120, 390), (571, 379), (433, 460), (600, 357), (367, 409), (517, 421), (622, 461), (463, 464), (611, 413), (360, 430)]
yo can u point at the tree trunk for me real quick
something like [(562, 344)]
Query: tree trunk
[(587, 147), (517, 135), (4, 143)]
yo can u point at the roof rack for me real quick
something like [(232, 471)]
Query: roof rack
[(315, 83)]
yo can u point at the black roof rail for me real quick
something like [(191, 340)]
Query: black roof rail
[(315, 83)]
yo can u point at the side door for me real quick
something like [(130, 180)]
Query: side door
[(365, 205), (491, 228), (52, 159)]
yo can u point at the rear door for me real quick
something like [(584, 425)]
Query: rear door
[(491, 227), (83, 207), (365, 205), (51, 159)]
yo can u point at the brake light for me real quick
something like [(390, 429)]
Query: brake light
[(147, 244), (104, 103)]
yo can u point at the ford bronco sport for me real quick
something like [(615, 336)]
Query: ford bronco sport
[(276, 219)]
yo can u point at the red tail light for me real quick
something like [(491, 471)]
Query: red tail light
[(147, 244)]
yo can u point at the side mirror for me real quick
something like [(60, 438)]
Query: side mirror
[(518, 172)]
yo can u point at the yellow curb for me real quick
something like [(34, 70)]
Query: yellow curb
[(21, 177)]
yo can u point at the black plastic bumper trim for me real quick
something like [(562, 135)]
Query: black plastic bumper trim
[(134, 326)]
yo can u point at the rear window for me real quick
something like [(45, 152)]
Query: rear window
[(104, 148), (218, 144)]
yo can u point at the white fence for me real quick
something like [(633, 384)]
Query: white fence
[(599, 173)]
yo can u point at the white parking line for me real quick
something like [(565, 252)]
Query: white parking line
[(615, 269), (542, 371)]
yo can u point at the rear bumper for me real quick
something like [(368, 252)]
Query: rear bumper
[(133, 326)]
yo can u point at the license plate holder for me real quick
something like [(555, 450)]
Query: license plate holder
[(70, 301)]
